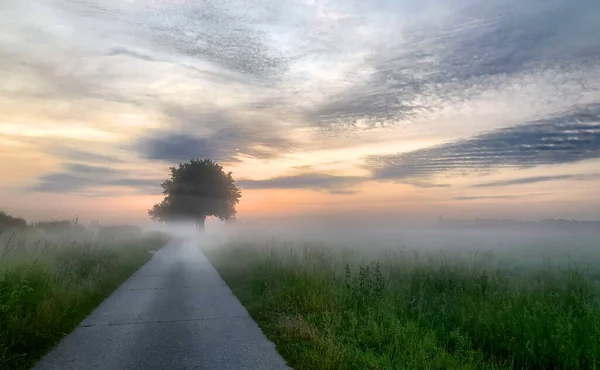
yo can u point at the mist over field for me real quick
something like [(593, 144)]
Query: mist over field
[(548, 242), (456, 295)]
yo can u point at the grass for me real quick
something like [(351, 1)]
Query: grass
[(49, 283), (338, 309)]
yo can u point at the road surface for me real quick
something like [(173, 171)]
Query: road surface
[(174, 313)]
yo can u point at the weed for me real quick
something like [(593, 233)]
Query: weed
[(425, 310), (48, 286)]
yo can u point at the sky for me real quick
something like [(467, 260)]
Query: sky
[(333, 109)]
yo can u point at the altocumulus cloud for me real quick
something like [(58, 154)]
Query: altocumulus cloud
[(568, 138), (455, 58), (218, 33)]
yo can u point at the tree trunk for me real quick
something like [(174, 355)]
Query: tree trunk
[(200, 223)]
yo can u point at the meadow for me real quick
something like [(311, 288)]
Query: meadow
[(530, 306), (52, 275)]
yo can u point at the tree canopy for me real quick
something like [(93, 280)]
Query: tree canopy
[(197, 189)]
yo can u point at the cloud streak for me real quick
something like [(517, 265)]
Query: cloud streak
[(568, 138), (538, 179), (83, 179), (492, 197), (315, 181)]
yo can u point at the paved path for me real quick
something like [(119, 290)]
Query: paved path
[(174, 313)]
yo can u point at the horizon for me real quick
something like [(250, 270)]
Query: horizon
[(295, 223), (338, 111)]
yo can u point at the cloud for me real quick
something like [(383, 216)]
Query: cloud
[(511, 36), (390, 60), (217, 34), (478, 197), (212, 75), (536, 179), (568, 138), (131, 54), (463, 53), (321, 181), (83, 179), (206, 72), (173, 147), (317, 181), (488, 197), (75, 154), (223, 145), (425, 184), (195, 133), (72, 50), (91, 170)]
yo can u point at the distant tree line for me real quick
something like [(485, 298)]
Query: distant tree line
[(545, 224), (11, 223)]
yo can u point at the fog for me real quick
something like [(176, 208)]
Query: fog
[(550, 242)]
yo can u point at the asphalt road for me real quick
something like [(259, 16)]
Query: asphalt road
[(174, 313)]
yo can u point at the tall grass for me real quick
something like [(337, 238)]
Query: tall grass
[(336, 309), (50, 282)]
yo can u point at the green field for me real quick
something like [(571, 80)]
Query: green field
[(49, 282), (336, 308)]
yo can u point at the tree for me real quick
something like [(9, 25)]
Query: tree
[(197, 189)]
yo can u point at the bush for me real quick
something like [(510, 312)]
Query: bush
[(8, 222)]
